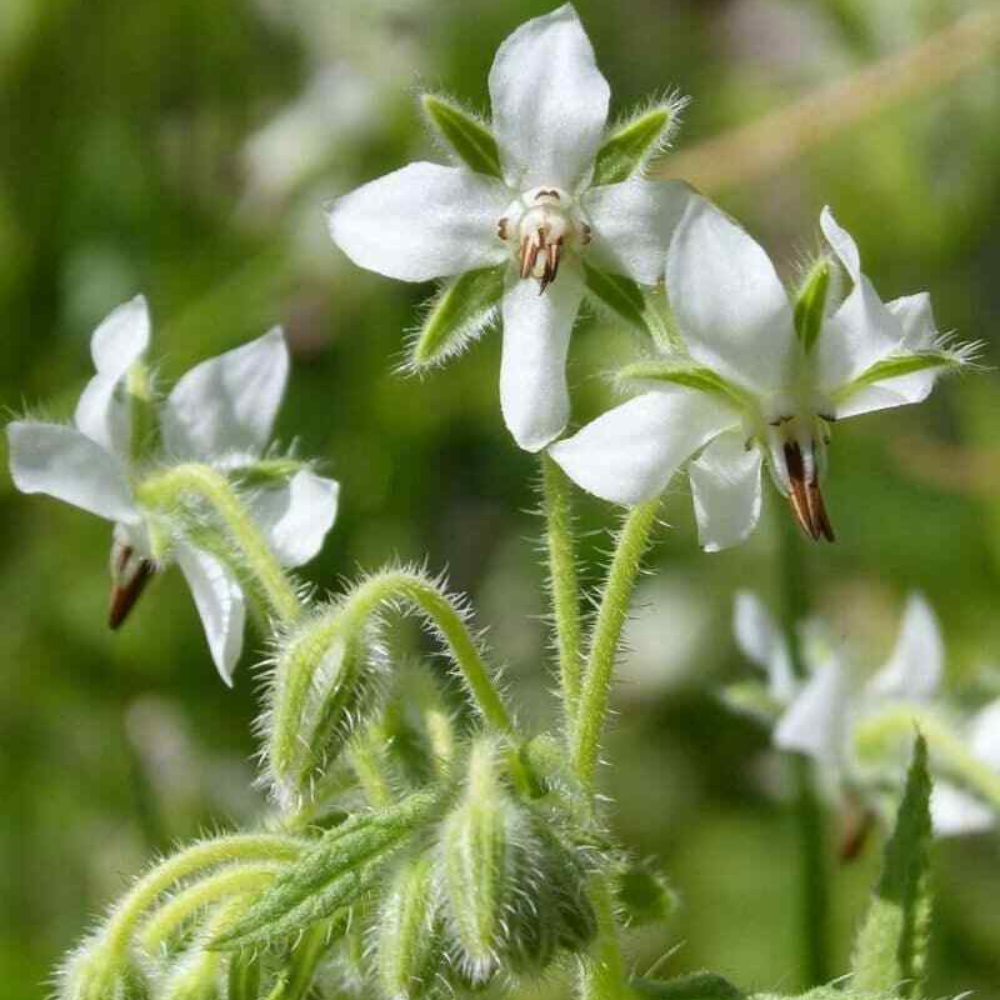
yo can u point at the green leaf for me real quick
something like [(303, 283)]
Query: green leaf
[(631, 145), (645, 895), (693, 986), (681, 372), (459, 312), (465, 135), (629, 302), (891, 949), (810, 303), (345, 864)]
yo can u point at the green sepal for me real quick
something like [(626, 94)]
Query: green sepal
[(244, 977), (631, 145), (810, 302), (891, 949), (629, 302), (681, 372), (900, 365), (753, 699), (348, 862), (470, 140), (269, 472), (458, 313), (645, 895), (693, 986)]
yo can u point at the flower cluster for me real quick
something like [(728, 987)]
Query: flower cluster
[(858, 730)]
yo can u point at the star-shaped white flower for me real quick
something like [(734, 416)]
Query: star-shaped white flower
[(762, 381), (539, 219), (824, 715), (220, 414)]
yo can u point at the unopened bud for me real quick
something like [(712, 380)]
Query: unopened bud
[(645, 895), (98, 971), (409, 947)]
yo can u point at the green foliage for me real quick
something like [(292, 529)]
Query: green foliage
[(891, 949), (464, 307), (467, 137), (811, 302), (693, 986), (631, 145)]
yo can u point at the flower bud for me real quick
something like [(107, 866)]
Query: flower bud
[(97, 971), (408, 939), (645, 895)]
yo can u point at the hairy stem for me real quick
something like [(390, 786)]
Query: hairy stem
[(304, 962), (563, 583), (602, 972), (593, 708), (170, 490), (814, 900), (948, 750), (200, 857)]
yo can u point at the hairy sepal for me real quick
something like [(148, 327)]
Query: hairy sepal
[(811, 302), (644, 895), (627, 301), (347, 863), (463, 308), (463, 133), (942, 359), (692, 986), (633, 143), (891, 950), (678, 371)]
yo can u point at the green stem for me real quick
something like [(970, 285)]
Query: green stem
[(169, 490), (223, 850), (305, 960), (564, 584), (593, 708), (948, 749), (602, 973), (814, 903)]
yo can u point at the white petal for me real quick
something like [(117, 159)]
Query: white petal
[(761, 640), (629, 454), (725, 485), (225, 407), (862, 330), (954, 812), (816, 722), (550, 102), (733, 312), (918, 333), (984, 735), (220, 604), (913, 671), (422, 222), (632, 225), (296, 517), (536, 331), (102, 412), (66, 464)]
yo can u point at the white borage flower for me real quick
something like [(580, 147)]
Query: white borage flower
[(545, 205), (221, 414), (763, 379), (825, 715)]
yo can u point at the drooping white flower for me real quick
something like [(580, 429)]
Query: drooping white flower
[(762, 381), (537, 216), (221, 414), (825, 715)]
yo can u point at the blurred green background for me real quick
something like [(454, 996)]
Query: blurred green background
[(185, 148)]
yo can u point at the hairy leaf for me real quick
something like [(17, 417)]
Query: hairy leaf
[(891, 949), (458, 313), (465, 135), (629, 147)]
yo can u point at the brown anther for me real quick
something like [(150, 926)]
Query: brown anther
[(124, 595), (805, 497), (586, 234), (531, 246), (502, 229), (552, 253), (860, 823)]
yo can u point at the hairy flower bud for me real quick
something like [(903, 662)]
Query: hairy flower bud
[(97, 971), (408, 934)]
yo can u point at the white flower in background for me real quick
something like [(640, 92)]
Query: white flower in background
[(825, 714), (762, 381), (220, 414), (531, 207)]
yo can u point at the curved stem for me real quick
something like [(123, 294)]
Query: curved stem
[(169, 490), (593, 708), (563, 583), (230, 881), (144, 894), (813, 880), (949, 751)]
